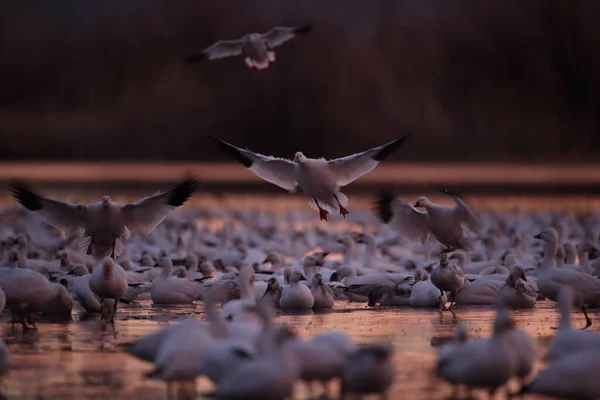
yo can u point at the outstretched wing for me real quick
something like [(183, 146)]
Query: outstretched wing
[(65, 216), (402, 217), (221, 49), (277, 171), (282, 34), (465, 214), (145, 214), (350, 168)]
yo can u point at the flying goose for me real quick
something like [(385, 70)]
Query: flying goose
[(105, 222), (319, 179), (257, 48), (446, 223)]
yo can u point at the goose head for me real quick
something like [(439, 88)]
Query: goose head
[(517, 273), (106, 201), (317, 280), (423, 202), (444, 260), (272, 286), (296, 277), (299, 157), (549, 235)]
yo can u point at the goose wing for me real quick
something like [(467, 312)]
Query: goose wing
[(277, 171), (221, 49), (145, 214), (68, 217), (349, 168), (282, 34)]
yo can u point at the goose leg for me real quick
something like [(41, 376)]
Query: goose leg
[(588, 321), (112, 254), (343, 211), (322, 213), (112, 318), (452, 294)]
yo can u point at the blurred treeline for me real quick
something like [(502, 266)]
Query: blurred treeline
[(473, 80)]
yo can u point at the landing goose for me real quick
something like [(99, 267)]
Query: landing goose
[(318, 178), (105, 223)]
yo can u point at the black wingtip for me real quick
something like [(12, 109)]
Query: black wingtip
[(234, 152), (196, 58), (383, 206), (21, 192), (182, 192), (389, 148), (303, 29)]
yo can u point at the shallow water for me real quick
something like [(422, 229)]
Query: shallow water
[(82, 359)]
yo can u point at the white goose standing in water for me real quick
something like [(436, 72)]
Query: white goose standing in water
[(319, 179), (257, 48), (105, 223)]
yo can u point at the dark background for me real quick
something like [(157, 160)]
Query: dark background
[(472, 80)]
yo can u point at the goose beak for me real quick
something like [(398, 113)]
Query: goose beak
[(325, 254), (538, 236), (302, 278)]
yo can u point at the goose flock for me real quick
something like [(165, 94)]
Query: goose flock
[(254, 266), (56, 256)]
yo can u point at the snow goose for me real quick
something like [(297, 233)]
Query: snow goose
[(319, 179), (257, 48), (268, 376), (572, 377), (446, 222), (236, 309), (448, 277), (272, 293), (517, 293), (322, 294), (424, 293), (586, 288), (368, 370), (296, 296), (482, 363), (109, 281), (27, 292), (105, 223), (321, 358), (568, 340), (172, 290)]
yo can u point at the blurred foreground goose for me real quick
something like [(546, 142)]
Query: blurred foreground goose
[(105, 222), (319, 179), (571, 377), (257, 48)]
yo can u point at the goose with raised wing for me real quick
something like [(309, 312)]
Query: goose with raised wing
[(319, 179), (257, 48), (106, 223)]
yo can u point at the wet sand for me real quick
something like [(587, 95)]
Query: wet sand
[(82, 359)]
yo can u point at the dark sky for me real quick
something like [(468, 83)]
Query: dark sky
[(472, 80)]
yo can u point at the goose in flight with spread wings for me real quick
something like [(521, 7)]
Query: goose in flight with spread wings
[(104, 224), (257, 48), (446, 223), (320, 179)]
